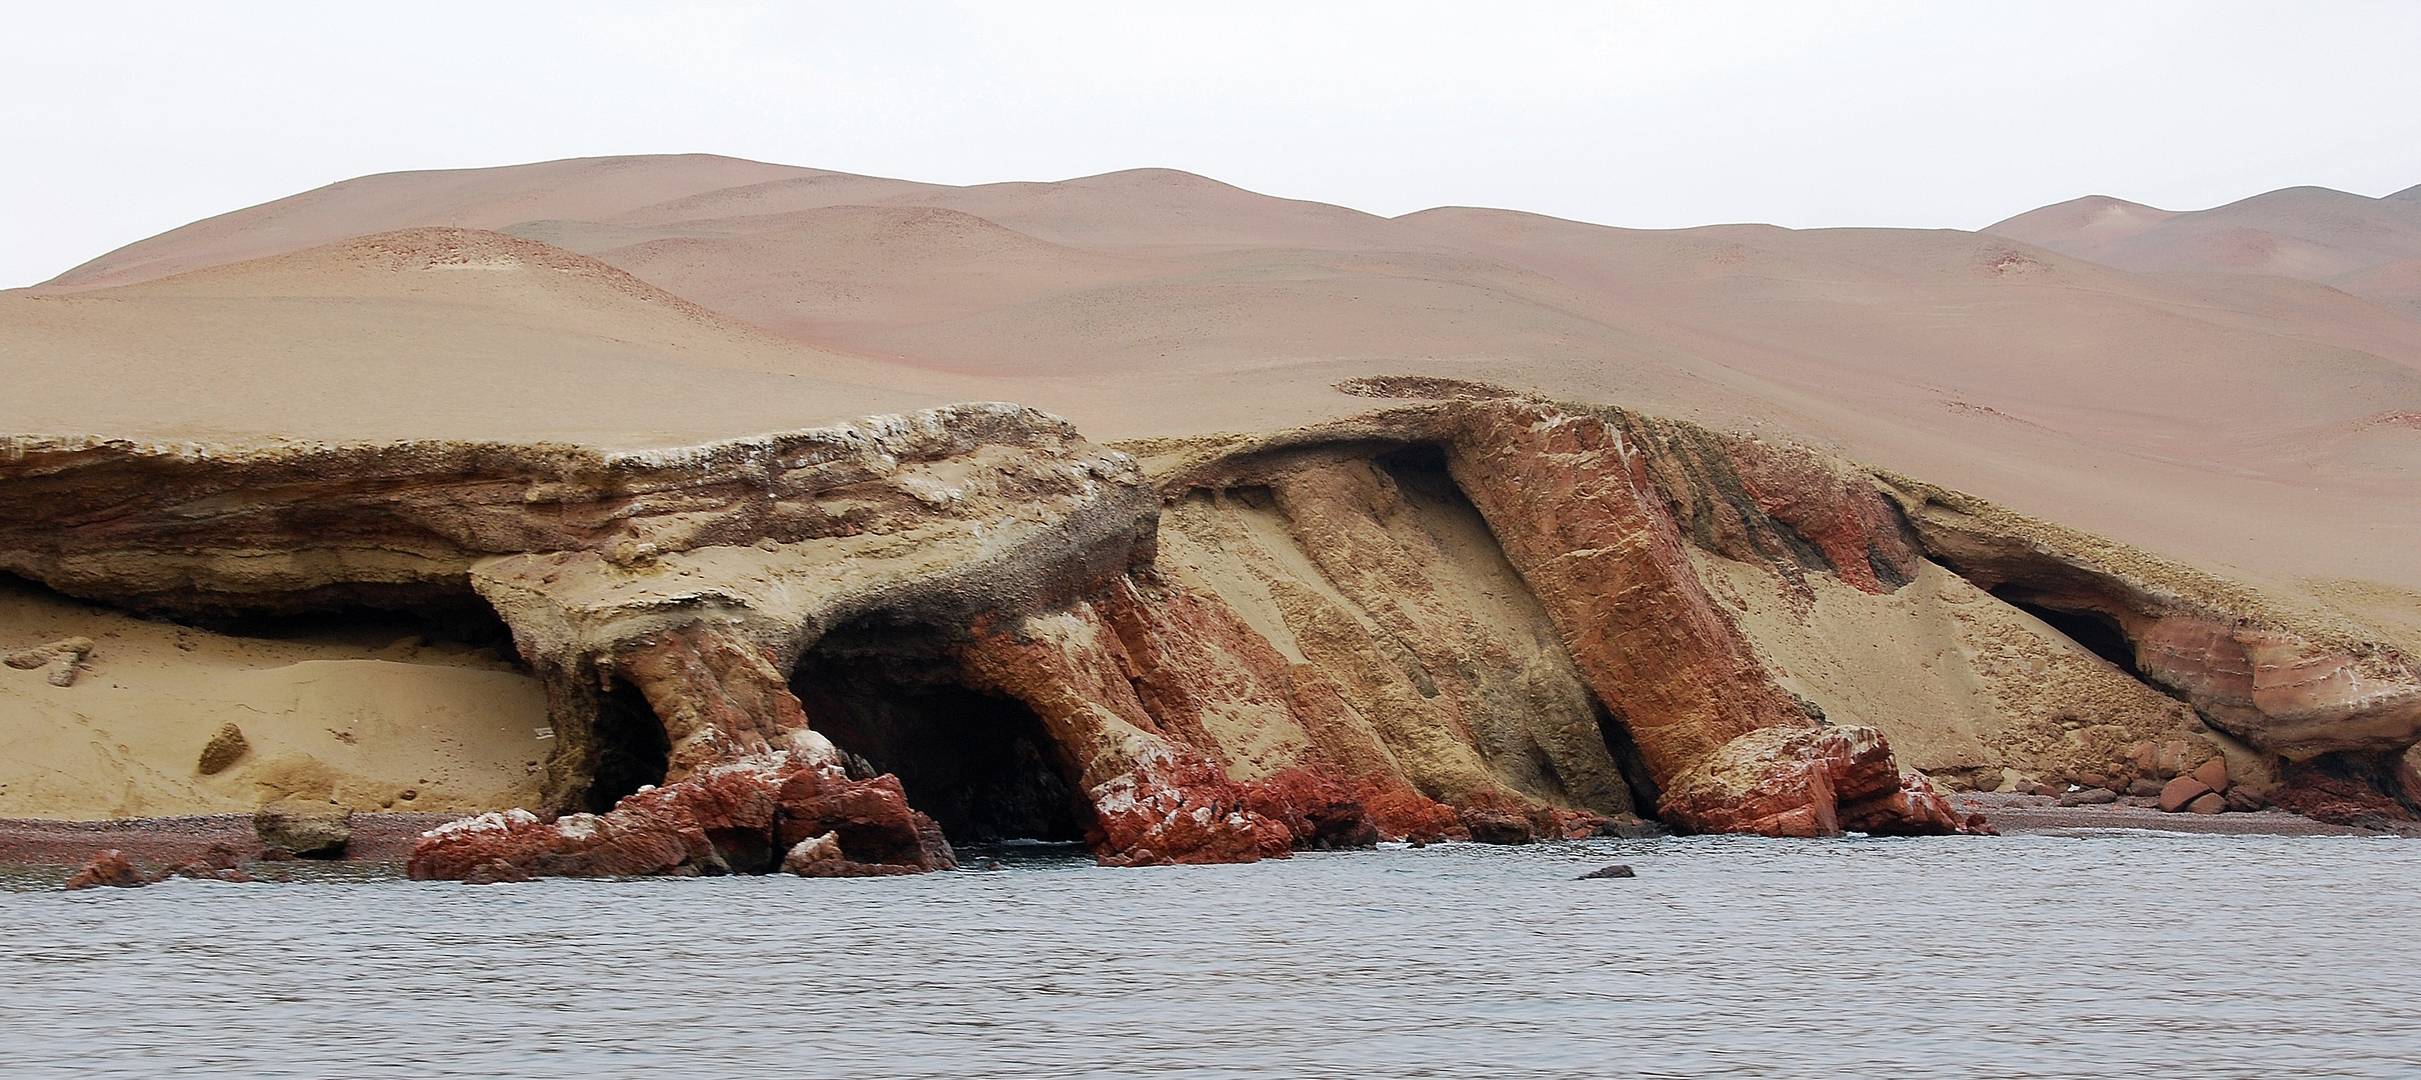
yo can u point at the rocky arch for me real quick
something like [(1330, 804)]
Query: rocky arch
[(893, 698), (2336, 714)]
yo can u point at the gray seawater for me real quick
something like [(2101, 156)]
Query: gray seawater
[(2108, 954)]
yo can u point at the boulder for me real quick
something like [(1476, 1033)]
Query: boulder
[(2144, 788), (305, 827), (2092, 796), (2209, 802), (815, 849), (2177, 793), (2213, 774), (1618, 870), (1497, 827), (65, 658), (111, 869), (225, 748), (2243, 800)]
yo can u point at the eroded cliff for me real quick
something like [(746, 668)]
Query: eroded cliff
[(1487, 616)]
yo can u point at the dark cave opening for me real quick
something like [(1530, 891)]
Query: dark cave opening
[(980, 764), (1422, 467), (2099, 634), (632, 750), (1625, 752), (458, 621)]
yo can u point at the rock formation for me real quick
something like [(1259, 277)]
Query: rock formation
[(302, 827), (1486, 616), (60, 661), (2285, 681)]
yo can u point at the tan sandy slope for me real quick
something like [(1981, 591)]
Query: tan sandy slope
[(2248, 405)]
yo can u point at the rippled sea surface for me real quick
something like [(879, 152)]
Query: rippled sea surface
[(2098, 955)]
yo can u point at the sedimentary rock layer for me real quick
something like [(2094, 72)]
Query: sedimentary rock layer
[(1490, 617)]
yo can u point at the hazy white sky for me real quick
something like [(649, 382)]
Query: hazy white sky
[(122, 120)]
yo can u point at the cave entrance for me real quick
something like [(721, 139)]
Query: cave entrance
[(980, 764), (632, 750), (1625, 752), (2097, 633)]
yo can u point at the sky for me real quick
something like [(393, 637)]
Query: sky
[(121, 120)]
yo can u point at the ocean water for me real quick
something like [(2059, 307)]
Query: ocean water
[(2110, 954)]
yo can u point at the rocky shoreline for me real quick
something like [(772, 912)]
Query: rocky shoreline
[(2018, 814), (47, 852)]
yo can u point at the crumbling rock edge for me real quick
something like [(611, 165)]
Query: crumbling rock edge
[(1322, 685)]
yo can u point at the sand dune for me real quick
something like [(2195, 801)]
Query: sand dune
[(473, 198), (2313, 233), (425, 333)]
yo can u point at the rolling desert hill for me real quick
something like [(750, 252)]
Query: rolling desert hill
[(2368, 247)]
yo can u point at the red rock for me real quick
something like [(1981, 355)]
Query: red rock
[(2345, 789), (738, 817), (1497, 827), (2213, 774), (222, 862), (111, 869), (1188, 655), (1317, 811), (2181, 791), (1156, 799), (719, 697), (805, 854), (2209, 802), (1579, 518), (496, 873), (1807, 781)]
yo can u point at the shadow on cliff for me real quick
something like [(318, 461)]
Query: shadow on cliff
[(893, 700)]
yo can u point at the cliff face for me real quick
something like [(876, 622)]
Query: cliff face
[(1490, 617)]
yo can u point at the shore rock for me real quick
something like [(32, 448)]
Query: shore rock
[(2209, 802), (108, 869), (811, 851), (2177, 794), (2092, 796), (2213, 774), (64, 658), (739, 817), (303, 827)]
